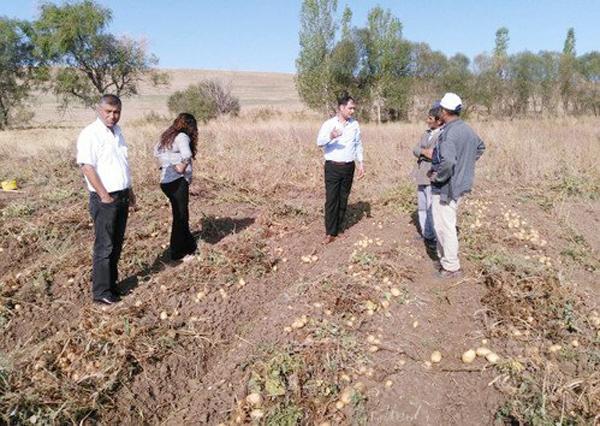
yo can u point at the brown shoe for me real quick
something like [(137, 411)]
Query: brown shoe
[(328, 239)]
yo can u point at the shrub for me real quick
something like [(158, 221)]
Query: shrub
[(205, 100)]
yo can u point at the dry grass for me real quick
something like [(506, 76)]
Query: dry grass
[(268, 160), (279, 156), (550, 373)]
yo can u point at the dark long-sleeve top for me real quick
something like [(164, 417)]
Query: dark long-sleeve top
[(454, 157), (428, 140)]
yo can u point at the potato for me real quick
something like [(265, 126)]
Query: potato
[(346, 396), (554, 348), (468, 356), (492, 358), (482, 351), (257, 414), (436, 357), (254, 399), (360, 387)]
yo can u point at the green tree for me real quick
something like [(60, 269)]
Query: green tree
[(385, 65), (490, 80), (525, 76), (500, 64), (427, 64), (346, 24), (19, 70), (458, 78), (549, 63), (501, 48), (427, 69), (317, 38), (89, 60), (343, 68), (485, 82), (589, 92), (567, 70), (205, 100)]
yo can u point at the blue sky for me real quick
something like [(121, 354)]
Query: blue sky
[(262, 35)]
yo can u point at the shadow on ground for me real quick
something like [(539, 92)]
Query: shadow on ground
[(214, 229), (356, 212), (160, 262)]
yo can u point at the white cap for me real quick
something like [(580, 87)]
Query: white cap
[(451, 102)]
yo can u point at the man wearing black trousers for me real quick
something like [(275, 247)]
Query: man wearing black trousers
[(340, 139), (102, 156)]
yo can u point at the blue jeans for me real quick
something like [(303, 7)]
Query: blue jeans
[(424, 211)]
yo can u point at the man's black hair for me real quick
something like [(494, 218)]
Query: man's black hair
[(110, 99), (435, 112), (344, 98)]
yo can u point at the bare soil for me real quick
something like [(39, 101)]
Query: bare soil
[(257, 271)]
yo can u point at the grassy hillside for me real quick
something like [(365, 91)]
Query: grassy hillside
[(254, 89)]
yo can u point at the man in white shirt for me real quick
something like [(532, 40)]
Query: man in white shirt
[(340, 139), (102, 156)]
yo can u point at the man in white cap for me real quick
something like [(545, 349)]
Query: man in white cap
[(452, 173)]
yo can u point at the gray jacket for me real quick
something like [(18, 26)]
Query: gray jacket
[(454, 158), (428, 140)]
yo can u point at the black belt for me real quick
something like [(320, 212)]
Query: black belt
[(339, 163), (120, 193)]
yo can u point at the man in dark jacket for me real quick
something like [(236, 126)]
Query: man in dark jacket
[(452, 174)]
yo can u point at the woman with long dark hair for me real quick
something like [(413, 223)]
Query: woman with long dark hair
[(175, 152)]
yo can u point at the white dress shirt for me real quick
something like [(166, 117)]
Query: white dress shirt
[(106, 152), (345, 148)]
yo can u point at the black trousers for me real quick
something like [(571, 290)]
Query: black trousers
[(110, 221), (338, 182), (182, 240)]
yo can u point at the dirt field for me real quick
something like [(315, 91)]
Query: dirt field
[(266, 325)]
